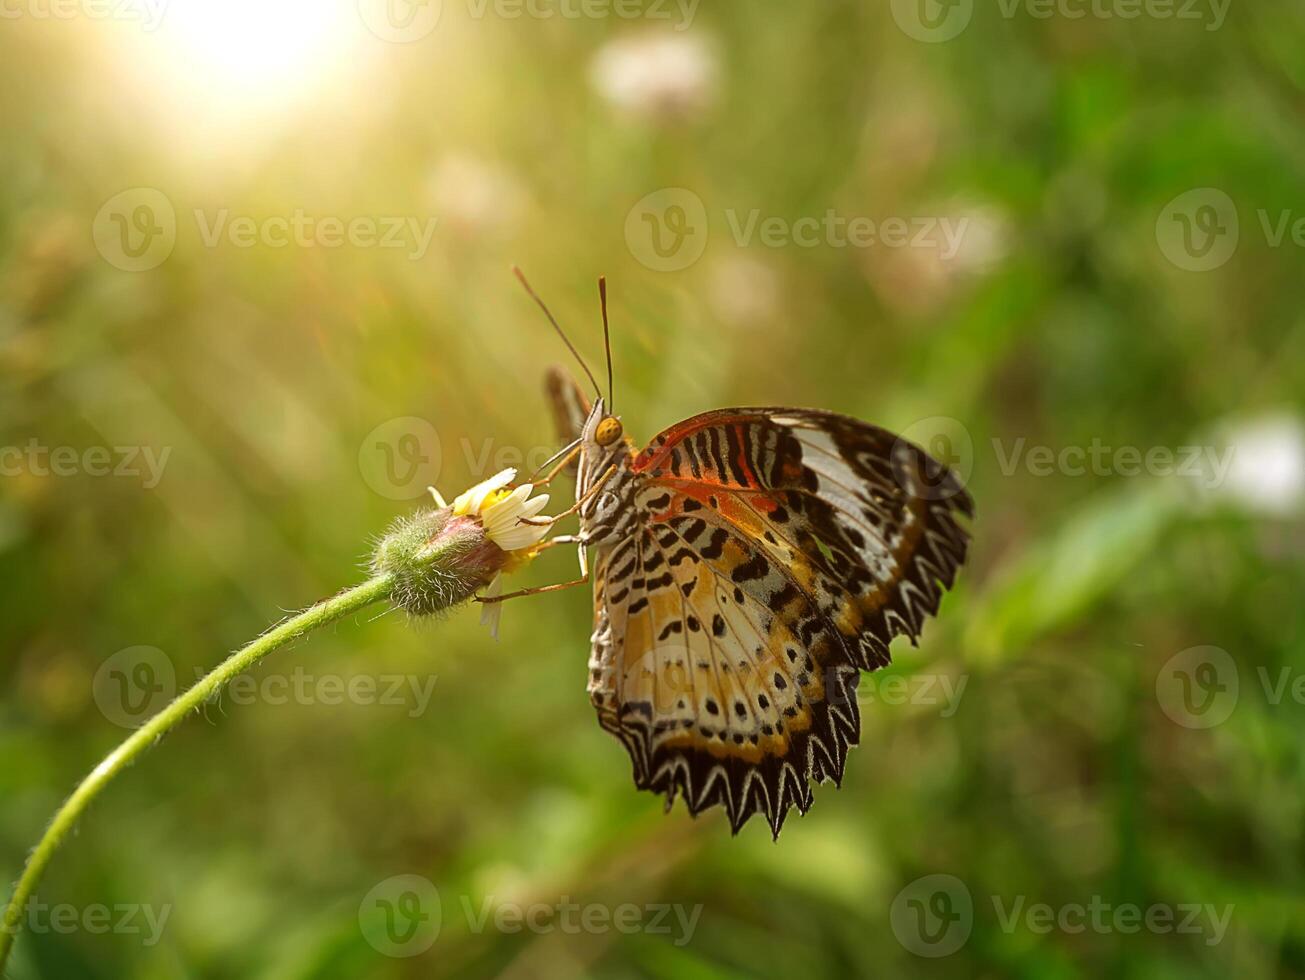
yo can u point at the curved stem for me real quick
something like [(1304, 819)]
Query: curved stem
[(326, 611)]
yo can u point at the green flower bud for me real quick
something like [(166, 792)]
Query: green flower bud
[(436, 560), (439, 558)]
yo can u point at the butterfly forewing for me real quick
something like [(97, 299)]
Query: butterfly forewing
[(569, 406)]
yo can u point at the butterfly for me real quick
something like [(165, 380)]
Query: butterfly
[(747, 565)]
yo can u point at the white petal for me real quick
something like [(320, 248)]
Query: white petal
[(533, 507), (492, 612), (471, 501), (520, 536), (505, 512)]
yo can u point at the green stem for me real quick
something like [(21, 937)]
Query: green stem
[(328, 611)]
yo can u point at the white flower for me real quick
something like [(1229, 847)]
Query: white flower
[(1266, 472), (502, 513), (474, 195), (657, 75)]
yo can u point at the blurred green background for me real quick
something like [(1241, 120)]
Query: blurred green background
[(1124, 652)]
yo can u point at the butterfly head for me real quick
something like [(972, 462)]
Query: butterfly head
[(602, 432), (606, 455)]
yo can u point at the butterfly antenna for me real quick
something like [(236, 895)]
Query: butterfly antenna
[(569, 346), (607, 342), (570, 446)]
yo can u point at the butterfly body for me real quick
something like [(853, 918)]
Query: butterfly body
[(747, 565)]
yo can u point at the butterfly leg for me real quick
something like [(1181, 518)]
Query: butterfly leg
[(560, 539), (556, 587), (541, 521)]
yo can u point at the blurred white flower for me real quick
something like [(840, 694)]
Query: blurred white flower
[(663, 76), (962, 241), (1266, 472), (474, 196), (985, 237)]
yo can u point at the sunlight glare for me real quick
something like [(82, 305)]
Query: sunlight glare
[(252, 56)]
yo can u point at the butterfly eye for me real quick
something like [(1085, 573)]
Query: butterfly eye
[(609, 430)]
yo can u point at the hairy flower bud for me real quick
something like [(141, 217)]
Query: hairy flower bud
[(438, 558)]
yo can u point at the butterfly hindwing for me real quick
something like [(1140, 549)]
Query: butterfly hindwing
[(716, 682)]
